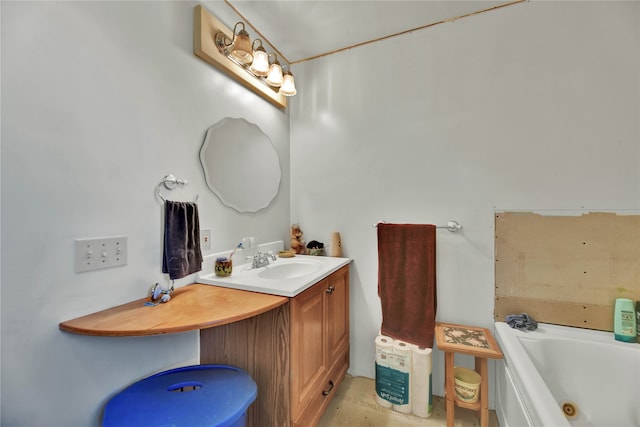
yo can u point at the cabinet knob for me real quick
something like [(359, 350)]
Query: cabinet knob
[(326, 392), (330, 289)]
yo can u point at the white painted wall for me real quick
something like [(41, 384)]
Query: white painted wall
[(530, 107), (100, 100), (534, 106)]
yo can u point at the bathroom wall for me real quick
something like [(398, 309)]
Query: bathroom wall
[(530, 107), (534, 107), (100, 100)]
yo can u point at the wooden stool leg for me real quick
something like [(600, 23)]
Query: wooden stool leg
[(450, 393), (481, 368)]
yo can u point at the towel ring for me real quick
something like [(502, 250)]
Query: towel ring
[(170, 182)]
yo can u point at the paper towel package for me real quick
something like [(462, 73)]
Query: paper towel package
[(403, 377), (421, 395), (384, 350), (403, 349), (392, 373)]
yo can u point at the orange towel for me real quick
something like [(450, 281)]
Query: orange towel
[(407, 281)]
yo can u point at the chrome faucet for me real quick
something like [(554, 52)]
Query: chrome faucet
[(261, 259)]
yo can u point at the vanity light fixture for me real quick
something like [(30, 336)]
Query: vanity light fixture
[(260, 64), (242, 45), (288, 87), (275, 78), (255, 61), (241, 51), (239, 48), (247, 62)]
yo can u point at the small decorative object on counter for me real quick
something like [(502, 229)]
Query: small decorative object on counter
[(336, 244), (286, 254), (158, 295), (315, 248), (297, 242), (223, 267)]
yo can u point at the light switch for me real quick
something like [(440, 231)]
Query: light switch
[(98, 253)]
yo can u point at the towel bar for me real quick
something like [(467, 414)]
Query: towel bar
[(452, 226)]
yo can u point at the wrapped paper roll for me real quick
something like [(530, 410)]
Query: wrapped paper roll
[(384, 352), (421, 394), (402, 350)]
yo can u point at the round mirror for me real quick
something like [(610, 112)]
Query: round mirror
[(241, 165)]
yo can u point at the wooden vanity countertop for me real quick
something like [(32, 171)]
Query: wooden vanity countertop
[(191, 307)]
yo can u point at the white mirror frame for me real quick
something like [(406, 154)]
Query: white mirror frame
[(241, 166)]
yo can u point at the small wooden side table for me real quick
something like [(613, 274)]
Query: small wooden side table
[(477, 342)]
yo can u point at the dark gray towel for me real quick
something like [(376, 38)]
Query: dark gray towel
[(523, 322), (182, 255)]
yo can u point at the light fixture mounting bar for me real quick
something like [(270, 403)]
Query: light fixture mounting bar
[(205, 28)]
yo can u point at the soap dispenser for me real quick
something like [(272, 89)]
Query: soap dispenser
[(624, 322)]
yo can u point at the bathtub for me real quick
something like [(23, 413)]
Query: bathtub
[(557, 376)]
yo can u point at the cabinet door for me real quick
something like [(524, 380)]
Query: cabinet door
[(337, 301), (308, 337)]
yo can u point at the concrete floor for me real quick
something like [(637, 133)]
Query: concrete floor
[(354, 405)]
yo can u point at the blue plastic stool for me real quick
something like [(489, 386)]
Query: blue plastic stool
[(192, 396)]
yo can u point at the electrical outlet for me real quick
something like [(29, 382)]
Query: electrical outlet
[(98, 253), (248, 242), (205, 239)]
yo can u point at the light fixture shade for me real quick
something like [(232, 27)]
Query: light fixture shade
[(288, 87), (260, 65), (275, 78), (241, 49)]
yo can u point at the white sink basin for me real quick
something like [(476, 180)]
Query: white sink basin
[(285, 276), (290, 270)]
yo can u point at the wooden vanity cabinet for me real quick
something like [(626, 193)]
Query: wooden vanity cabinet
[(297, 353), (319, 346)]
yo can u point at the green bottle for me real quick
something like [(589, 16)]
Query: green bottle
[(638, 319), (624, 322)]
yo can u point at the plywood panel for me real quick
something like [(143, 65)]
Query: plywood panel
[(590, 316), (566, 270)]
